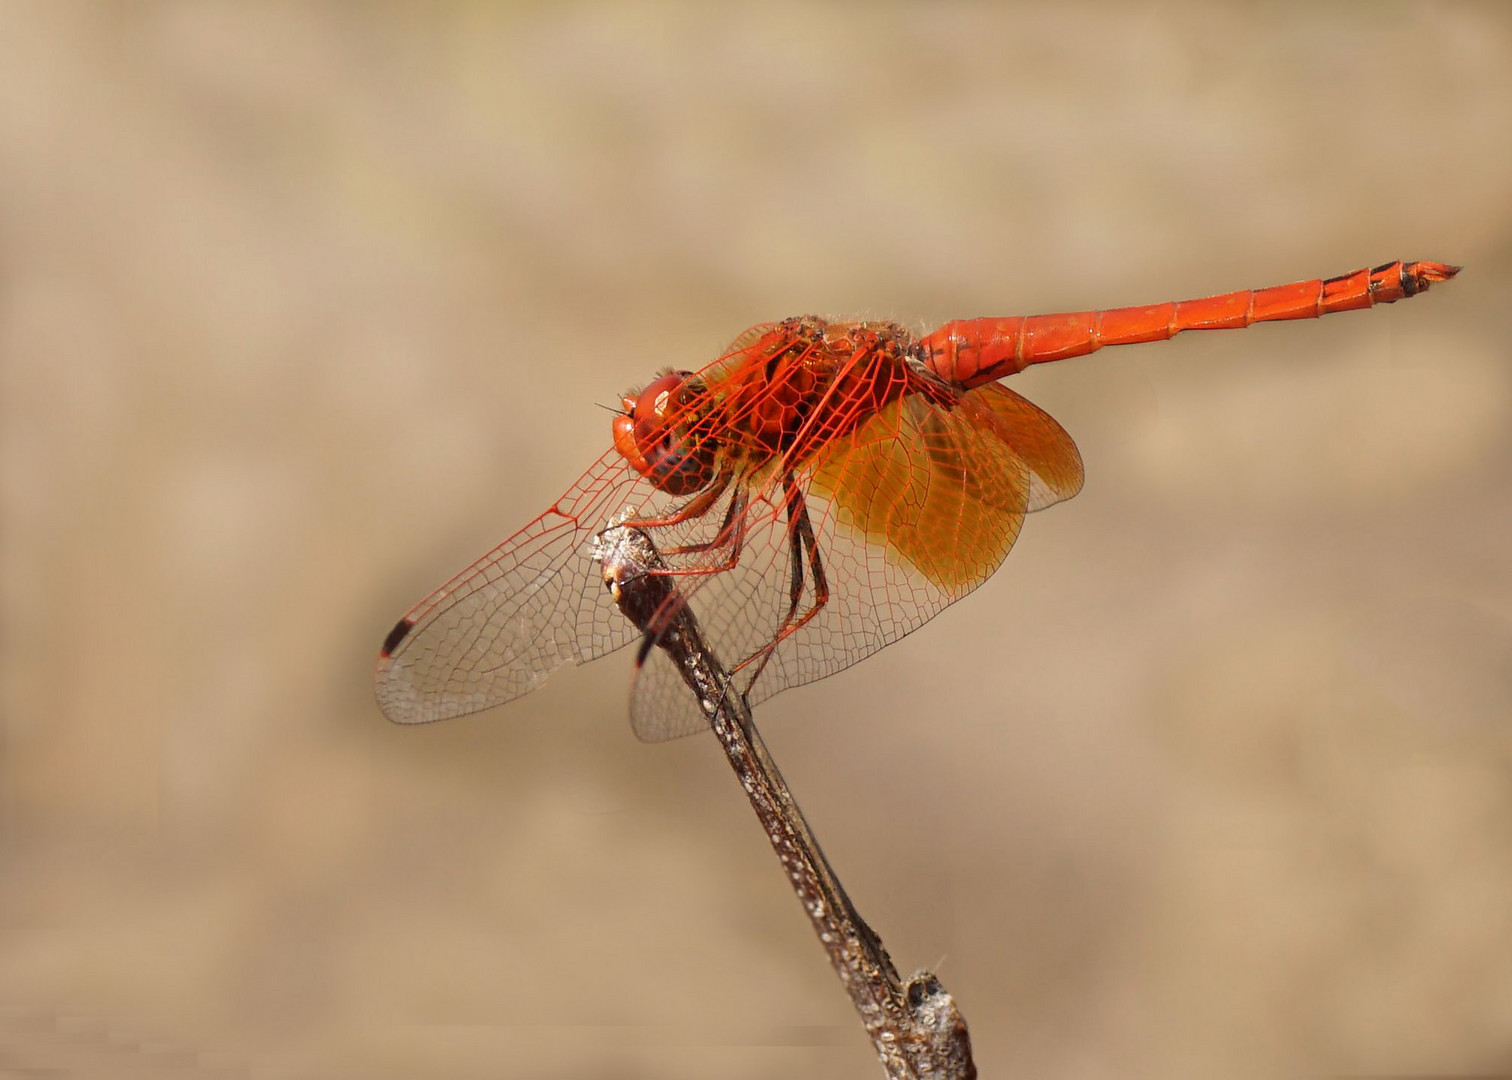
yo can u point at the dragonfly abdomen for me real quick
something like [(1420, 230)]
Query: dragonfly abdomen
[(970, 352)]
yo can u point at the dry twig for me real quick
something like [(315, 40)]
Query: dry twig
[(915, 1026)]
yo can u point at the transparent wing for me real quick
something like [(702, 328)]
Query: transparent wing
[(910, 512), (534, 603)]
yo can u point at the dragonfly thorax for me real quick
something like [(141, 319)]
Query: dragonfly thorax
[(779, 391)]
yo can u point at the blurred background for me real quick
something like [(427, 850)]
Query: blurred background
[(303, 307)]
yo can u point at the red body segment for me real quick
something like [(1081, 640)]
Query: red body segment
[(970, 352)]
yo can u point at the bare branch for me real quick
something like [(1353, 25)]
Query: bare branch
[(915, 1027)]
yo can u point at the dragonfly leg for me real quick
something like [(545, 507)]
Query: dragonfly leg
[(804, 546), (695, 507), (803, 529), (795, 560), (732, 535)]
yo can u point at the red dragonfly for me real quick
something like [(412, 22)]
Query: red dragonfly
[(820, 490)]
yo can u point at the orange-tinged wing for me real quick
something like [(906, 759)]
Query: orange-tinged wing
[(1055, 465), (910, 512), (946, 489)]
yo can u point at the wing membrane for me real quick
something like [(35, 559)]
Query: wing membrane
[(1055, 465), (534, 603)]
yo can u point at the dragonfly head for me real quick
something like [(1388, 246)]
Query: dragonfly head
[(655, 434)]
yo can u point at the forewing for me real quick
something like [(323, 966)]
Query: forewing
[(534, 603)]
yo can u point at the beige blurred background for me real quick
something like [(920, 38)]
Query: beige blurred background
[(302, 307)]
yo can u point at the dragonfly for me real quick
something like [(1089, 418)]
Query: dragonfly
[(818, 491)]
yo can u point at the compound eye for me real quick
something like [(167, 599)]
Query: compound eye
[(655, 411), (669, 457), (656, 401)]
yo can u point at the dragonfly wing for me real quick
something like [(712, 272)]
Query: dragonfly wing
[(534, 603), (910, 512), (1054, 464), (935, 489)]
